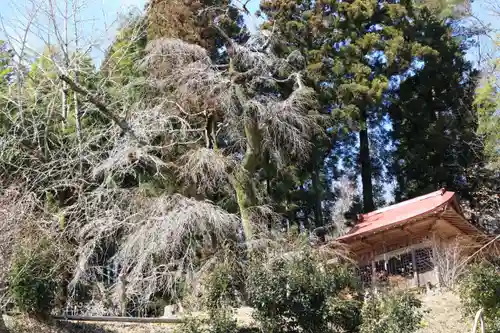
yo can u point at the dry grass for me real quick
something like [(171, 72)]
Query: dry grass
[(445, 314)]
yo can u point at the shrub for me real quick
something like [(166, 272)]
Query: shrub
[(480, 288), (223, 284), (297, 292), (221, 287), (32, 280), (391, 312)]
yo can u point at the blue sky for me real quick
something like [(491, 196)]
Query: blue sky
[(481, 11), (97, 20), (100, 19)]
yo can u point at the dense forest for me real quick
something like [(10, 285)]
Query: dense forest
[(124, 181)]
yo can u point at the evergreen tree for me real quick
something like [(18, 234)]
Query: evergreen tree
[(120, 64), (353, 51), (433, 119), (447, 9), (487, 104)]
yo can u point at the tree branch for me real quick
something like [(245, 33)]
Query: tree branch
[(223, 34), (101, 107)]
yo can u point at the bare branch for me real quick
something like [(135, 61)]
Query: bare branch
[(101, 107), (207, 168)]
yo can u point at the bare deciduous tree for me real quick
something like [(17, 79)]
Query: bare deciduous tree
[(450, 259)]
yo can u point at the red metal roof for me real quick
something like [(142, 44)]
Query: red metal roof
[(399, 213)]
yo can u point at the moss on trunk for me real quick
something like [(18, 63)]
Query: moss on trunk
[(244, 184)]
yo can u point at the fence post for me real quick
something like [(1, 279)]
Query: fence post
[(478, 318), (3, 327)]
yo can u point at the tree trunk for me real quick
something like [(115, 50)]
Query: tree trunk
[(366, 167), (318, 211), (400, 184), (244, 178), (245, 187), (245, 195)]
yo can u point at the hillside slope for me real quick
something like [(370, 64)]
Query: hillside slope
[(444, 315)]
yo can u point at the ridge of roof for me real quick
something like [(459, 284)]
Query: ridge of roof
[(406, 202)]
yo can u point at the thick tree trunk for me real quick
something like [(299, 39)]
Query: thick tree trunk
[(366, 168), (400, 184), (244, 184), (245, 195), (244, 178)]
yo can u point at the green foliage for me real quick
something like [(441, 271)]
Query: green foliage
[(354, 52), (33, 278), (434, 130), (220, 321), (223, 285), (36, 106), (297, 291), (392, 312), (191, 325), (396, 63), (220, 290), (487, 103), (223, 321), (121, 63), (481, 289), (6, 73), (5, 63), (447, 8)]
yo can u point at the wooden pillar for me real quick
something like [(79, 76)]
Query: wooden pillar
[(374, 276), (438, 275), (437, 245), (416, 281), (122, 295), (372, 260)]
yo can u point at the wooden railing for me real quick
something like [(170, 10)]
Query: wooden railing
[(160, 320)]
